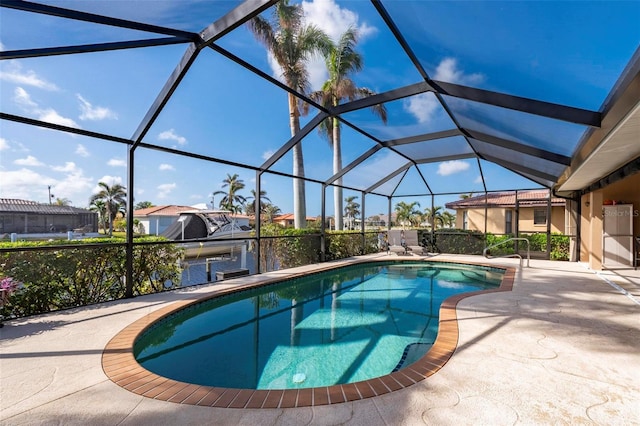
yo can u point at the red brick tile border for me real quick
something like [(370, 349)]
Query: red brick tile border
[(121, 367)]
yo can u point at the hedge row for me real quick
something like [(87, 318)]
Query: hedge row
[(70, 277)]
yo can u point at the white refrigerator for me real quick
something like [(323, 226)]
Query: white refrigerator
[(617, 236)]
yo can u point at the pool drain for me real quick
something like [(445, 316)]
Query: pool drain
[(299, 378)]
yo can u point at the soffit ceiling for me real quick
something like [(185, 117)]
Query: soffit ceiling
[(506, 102)]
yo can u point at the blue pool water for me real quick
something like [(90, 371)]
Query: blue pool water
[(335, 327)]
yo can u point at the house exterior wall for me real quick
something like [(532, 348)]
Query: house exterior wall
[(496, 219), (624, 191)]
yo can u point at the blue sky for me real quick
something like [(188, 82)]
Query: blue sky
[(565, 52)]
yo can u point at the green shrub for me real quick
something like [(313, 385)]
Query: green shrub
[(78, 276)]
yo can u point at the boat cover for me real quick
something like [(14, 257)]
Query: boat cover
[(194, 227)]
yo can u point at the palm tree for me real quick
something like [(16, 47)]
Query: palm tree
[(100, 207), (62, 202), (448, 219), (231, 200), (292, 43), (465, 196), (271, 211), (143, 205), (342, 60), (250, 208), (351, 210), (435, 216), (407, 212), (114, 198)]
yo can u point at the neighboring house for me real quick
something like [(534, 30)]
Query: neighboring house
[(503, 210), (30, 217), (154, 220), (286, 220)]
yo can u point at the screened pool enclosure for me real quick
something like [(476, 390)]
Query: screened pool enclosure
[(478, 97)]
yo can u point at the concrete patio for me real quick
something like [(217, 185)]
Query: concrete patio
[(562, 348)]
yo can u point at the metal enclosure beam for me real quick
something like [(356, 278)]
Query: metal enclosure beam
[(520, 147), (97, 19), (423, 137), (87, 48), (521, 168), (389, 177), (531, 106)]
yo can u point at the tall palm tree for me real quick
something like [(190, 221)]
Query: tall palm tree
[(252, 201), (231, 200), (435, 216), (407, 212), (351, 210), (292, 43), (342, 61), (114, 198)]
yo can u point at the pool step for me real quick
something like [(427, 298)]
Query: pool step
[(412, 353)]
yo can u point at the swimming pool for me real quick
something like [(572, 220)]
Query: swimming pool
[(336, 327)]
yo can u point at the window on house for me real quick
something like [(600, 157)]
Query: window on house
[(465, 220), (508, 222), (540, 217)]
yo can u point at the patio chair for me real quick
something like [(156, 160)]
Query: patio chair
[(412, 244), (396, 242)]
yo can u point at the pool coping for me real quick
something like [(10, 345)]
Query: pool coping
[(120, 366)]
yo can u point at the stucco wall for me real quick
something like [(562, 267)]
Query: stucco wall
[(496, 220)]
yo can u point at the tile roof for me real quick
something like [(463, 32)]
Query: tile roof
[(506, 199), (171, 210)]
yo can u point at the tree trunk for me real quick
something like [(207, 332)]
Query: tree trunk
[(337, 167), (299, 200)]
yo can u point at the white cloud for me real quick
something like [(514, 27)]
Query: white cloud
[(422, 106), (29, 161), (22, 98), (448, 71), (28, 184), (82, 151), (89, 112), (69, 167), (75, 185), (267, 154), (17, 183), (49, 115), (173, 136), (114, 162), (478, 179), (3, 144), (166, 167), (450, 167), (165, 188), (425, 105), (334, 20), (13, 73)]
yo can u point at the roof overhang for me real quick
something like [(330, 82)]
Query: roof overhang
[(615, 143)]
